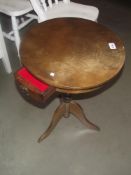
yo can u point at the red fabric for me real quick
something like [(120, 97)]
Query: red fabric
[(25, 74)]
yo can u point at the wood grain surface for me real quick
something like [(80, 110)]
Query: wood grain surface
[(72, 54)]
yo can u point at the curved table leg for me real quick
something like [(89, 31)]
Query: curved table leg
[(78, 112), (66, 107), (58, 114)]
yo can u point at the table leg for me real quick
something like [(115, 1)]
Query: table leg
[(58, 114), (78, 112), (67, 107)]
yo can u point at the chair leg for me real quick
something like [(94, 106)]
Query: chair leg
[(4, 54), (16, 32)]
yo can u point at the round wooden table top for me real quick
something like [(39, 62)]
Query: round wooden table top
[(72, 54)]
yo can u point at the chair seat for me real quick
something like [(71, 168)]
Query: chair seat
[(72, 10), (15, 7), (20, 13)]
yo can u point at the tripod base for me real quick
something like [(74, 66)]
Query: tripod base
[(66, 108)]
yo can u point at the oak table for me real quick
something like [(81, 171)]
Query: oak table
[(75, 56)]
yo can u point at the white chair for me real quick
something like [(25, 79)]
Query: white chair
[(3, 53), (16, 9), (48, 9)]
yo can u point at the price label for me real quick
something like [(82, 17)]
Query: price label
[(112, 45)]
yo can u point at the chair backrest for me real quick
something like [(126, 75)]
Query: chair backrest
[(41, 6), (49, 3)]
